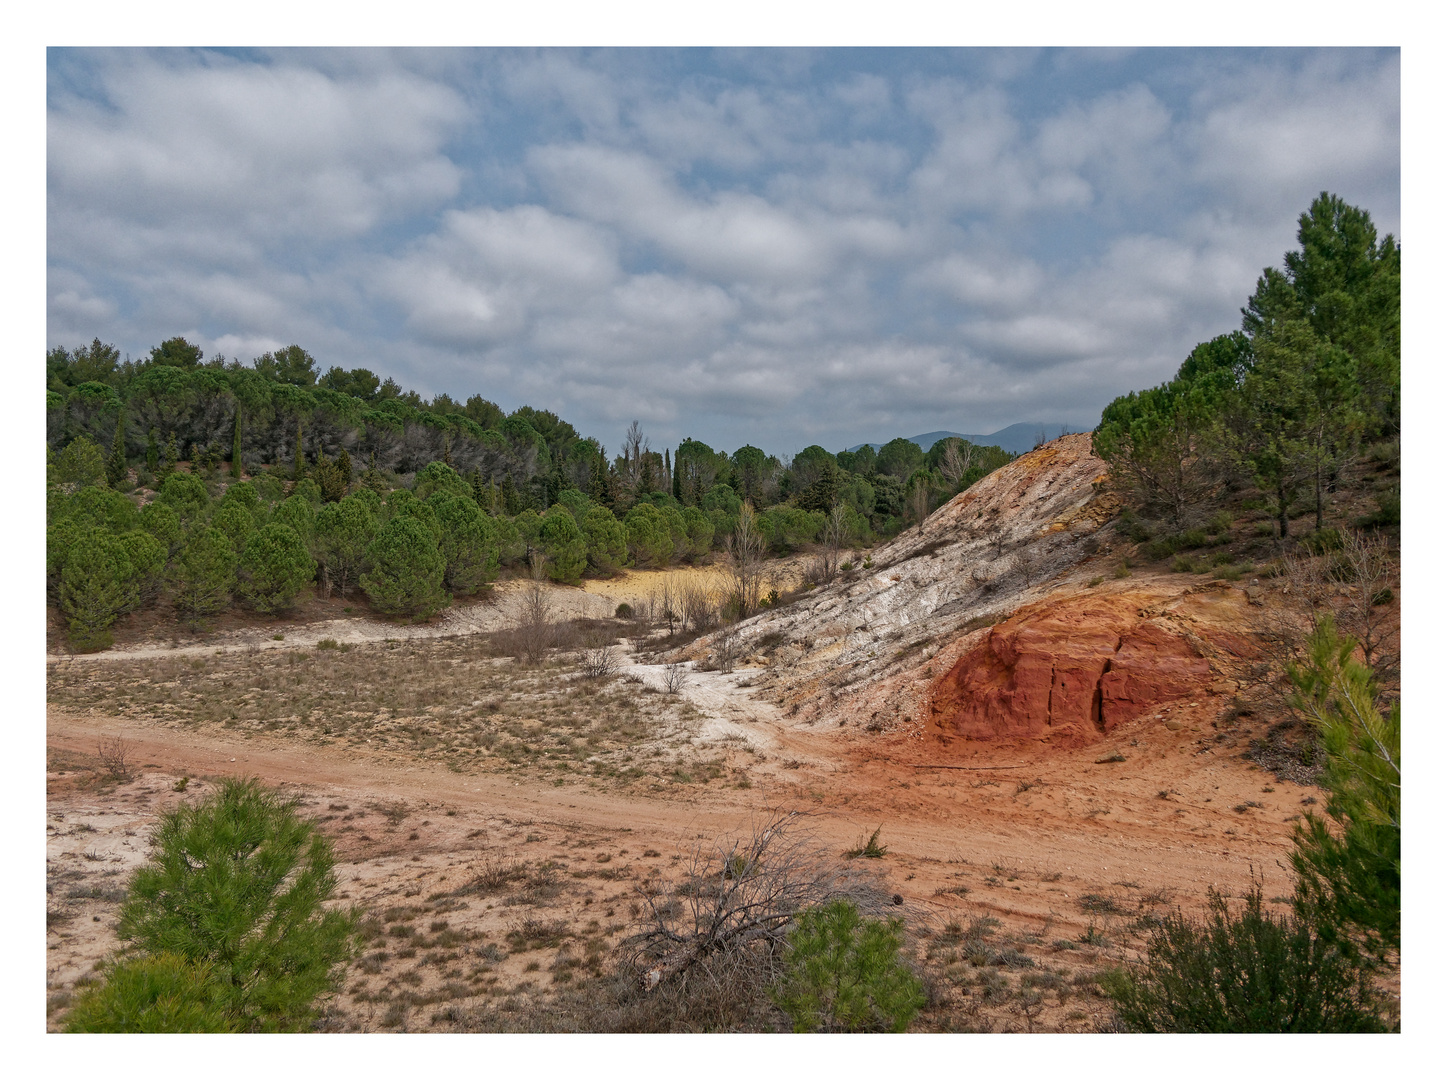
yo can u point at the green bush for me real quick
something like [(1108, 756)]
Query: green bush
[(1353, 872), (82, 464), (238, 882), (440, 477), (297, 513), (407, 570), (274, 568), (1246, 972), (234, 522), (154, 994), (204, 574), (100, 578), (1322, 541), (340, 538), (649, 538), (844, 973), (468, 542), (565, 546), (607, 540), (184, 493)]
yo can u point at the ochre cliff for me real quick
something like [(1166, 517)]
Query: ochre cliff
[(1068, 672)]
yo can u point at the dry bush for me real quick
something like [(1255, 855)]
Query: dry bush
[(745, 550), (725, 649), (532, 630), (1026, 565), (114, 757), (736, 900), (701, 606), (597, 661), (674, 676)]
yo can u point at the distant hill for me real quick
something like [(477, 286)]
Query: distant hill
[(1017, 438)]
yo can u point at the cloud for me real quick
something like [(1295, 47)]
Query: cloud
[(754, 246), (269, 151)]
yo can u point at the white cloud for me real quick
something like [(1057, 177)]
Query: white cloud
[(269, 151), (740, 252)]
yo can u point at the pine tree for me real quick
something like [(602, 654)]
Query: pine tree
[(479, 495), (511, 505), (298, 457), (447, 449), (677, 477), (343, 465), (236, 446), (116, 466), (598, 485), (172, 455)]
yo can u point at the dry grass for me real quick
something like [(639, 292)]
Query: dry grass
[(441, 699)]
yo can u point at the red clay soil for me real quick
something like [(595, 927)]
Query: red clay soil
[(1068, 672)]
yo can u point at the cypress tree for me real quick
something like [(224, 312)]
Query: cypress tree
[(598, 485), (116, 466), (298, 457), (478, 495), (343, 465), (236, 446), (511, 505), (677, 478), (172, 454)]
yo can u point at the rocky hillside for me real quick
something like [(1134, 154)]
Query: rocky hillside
[(985, 624)]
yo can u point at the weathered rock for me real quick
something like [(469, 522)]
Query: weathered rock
[(1068, 672)]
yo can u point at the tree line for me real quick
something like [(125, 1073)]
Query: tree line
[(448, 497), (1287, 402)]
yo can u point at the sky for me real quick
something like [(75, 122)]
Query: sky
[(774, 246)]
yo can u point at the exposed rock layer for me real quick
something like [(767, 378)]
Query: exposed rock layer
[(1069, 672)]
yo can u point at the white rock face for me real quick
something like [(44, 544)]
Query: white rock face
[(977, 558)]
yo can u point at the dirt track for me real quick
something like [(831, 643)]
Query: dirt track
[(1048, 841)]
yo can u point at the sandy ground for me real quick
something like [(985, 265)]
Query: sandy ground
[(1067, 849)]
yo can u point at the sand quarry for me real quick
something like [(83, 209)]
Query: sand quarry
[(496, 875)]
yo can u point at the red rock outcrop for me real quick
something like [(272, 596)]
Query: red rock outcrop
[(1068, 672)]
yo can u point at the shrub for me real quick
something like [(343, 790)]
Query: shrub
[(236, 523), (101, 577), (607, 540), (649, 538), (163, 993), (565, 546), (185, 493), (468, 542), (845, 973), (204, 573), (344, 530), (238, 882), (1353, 873), (407, 570), (1247, 972), (81, 464), (274, 568)]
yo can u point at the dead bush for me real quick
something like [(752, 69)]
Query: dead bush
[(736, 900), (114, 757), (674, 676)]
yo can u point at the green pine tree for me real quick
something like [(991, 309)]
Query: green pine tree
[(116, 467), (512, 506), (298, 457), (236, 446)]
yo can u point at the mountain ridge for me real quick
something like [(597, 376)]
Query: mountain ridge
[(1017, 438)]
